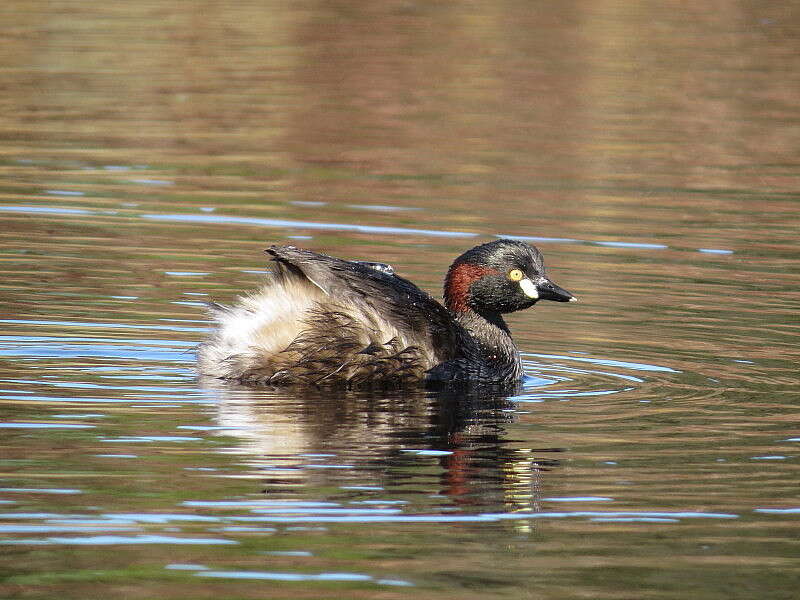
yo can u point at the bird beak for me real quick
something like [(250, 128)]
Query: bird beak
[(550, 291)]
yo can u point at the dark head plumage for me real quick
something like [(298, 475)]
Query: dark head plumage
[(499, 277)]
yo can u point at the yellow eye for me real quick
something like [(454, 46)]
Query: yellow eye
[(515, 275)]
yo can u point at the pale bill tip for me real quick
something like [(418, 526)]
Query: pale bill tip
[(573, 299)]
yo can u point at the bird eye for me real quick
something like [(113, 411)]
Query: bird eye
[(515, 275)]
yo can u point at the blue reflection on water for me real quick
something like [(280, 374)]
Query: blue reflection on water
[(44, 426), (607, 362), (277, 576), (41, 490), (105, 540), (280, 223), (46, 209)]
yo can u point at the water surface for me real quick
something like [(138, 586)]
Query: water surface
[(148, 155)]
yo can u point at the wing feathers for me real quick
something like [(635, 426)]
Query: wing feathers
[(325, 321)]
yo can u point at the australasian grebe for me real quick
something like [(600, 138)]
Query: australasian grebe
[(323, 321)]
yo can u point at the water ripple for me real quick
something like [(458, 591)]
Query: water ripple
[(284, 224)]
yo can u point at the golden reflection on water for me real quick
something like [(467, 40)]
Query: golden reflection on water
[(149, 151), (357, 85)]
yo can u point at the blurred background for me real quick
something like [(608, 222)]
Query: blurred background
[(150, 151)]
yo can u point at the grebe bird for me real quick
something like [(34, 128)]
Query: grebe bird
[(324, 321)]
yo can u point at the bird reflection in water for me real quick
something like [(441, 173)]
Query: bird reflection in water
[(361, 441)]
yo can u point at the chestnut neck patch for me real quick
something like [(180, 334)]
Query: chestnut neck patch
[(458, 281)]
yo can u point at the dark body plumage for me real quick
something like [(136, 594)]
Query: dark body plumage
[(323, 321)]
